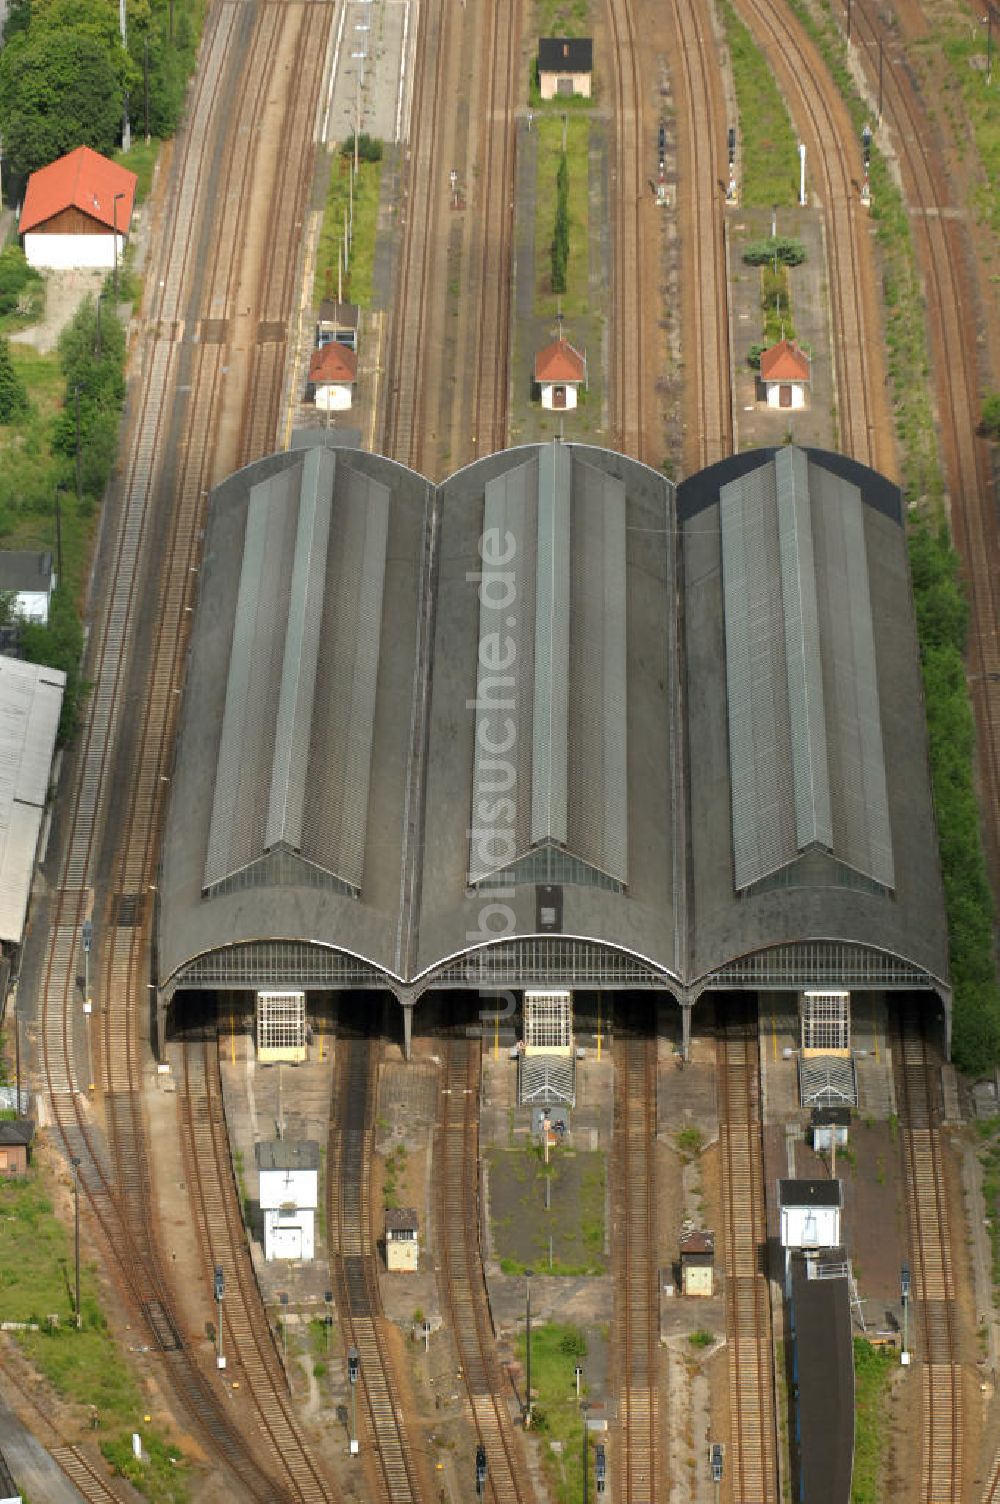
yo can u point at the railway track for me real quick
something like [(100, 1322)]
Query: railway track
[(701, 126), (353, 1260), (462, 1286), (404, 424), (495, 228), (637, 1316), (93, 1485), (627, 385), (945, 256), (932, 1283), (136, 658), (751, 1460), (223, 1241), (832, 154)]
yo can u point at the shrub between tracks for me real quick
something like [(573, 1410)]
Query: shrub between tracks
[(941, 607)]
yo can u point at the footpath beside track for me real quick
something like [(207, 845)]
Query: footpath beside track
[(751, 1460)]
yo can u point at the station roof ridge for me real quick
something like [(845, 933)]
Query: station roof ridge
[(84, 180)]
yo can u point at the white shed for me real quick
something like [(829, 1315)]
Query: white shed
[(289, 1193), (784, 372), (27, 574), (333, 371), (75, 210), (565, 67), (559, 370), (810, 1213)]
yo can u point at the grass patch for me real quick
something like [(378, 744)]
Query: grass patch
[(574, 1220), (961, 46), (575, 301), (689, 1142), (700, 1339), (140, 159), (988, 1133), (161, 1474), (562, 18), (556, 1415), (872, 1371), (939, 596), (83, 1365), (768, 144), (358, 279)]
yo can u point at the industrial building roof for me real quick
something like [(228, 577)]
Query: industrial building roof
[(24, 569), (30, 704), (824, 1373), (83, 180), (809, 1193), (693, 716), (288, 1154)]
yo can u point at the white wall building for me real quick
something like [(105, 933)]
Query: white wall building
[(289, 1190), (810, 1213), (559, 370), (784, 373), (76, 210), (27, 574), (333, 370)]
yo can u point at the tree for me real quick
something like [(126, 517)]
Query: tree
[(991, 415), (13, 397), (58, 89)]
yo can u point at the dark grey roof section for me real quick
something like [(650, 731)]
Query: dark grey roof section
[(295, 756), (565, 54), (288, 1154), (554, 615), (804, 731), (367, 878), (810, 1193), (25, 569), (17, 1131), (821, 1321)]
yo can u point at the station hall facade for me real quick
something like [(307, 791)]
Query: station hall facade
[(553, 722)]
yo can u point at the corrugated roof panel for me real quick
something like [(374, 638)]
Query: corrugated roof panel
[(302, 642), (30, 703), (550, 721), (246, 747), (761, 776), (598, 773), (336, 816), (502, 771), (803, 660), (861, 826)]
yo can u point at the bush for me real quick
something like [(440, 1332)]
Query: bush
[(788, 252), (369, 147), (13, 397), (991, 415), (754, 353), (560, 234), (15, 276)]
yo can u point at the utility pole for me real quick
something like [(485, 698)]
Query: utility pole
[(123, 26), (527, 1347), (353, 1369), (145, 81), (76, 1234), (79, 461), (220, 1290)]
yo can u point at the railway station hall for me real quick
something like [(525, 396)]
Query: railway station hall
[(555, 725)]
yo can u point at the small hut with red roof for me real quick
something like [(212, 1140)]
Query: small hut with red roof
[(559, 370), (75, 210), (784, 374), (333, 371)]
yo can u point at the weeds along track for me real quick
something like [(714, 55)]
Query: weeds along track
[(148, 600), (425, 197), (637, 1314), (463, 1288), (248, 1341), (945, 258), (628, 187), (90, 1479), (701, 127), (833, 166), (393, 1474), (496, 196), (932, 1285), (751, 1459)]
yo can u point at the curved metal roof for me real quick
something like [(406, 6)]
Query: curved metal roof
[(552, 713)]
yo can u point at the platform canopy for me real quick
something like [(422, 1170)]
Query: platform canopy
[(553, 722)]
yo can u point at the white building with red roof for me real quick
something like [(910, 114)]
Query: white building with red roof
[(784, 372), (559, 370), (74, 211), (333, 371)]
